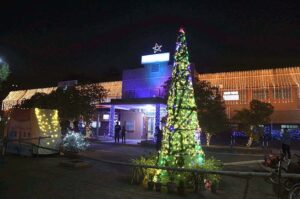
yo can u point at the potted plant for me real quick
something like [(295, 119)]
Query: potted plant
[(181, 188), (158, 185), (150, 183), (171, 186), (214, 186)]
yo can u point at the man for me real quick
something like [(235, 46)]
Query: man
[(117, 132), (286, 143)]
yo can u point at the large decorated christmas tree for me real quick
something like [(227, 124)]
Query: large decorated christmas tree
[(179, 146)]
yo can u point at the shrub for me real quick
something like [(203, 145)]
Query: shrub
[(143, 175), (74, 142), (212, 165)]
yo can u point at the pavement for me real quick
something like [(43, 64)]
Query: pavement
[(24, 177), (212, 148)]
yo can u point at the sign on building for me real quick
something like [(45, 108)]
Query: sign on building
[(231, 95)]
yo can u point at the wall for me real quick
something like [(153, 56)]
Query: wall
[(288, 107), (145, 82), (137, 118)]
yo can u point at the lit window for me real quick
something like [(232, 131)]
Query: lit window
[(105, 116), (289, 126)]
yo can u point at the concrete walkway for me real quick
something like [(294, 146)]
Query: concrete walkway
[(212, 148)]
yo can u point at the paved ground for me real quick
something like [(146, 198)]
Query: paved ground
[(22, 177)]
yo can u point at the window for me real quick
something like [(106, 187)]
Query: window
[(288, 126), (130, 94), (260, 94), (282, 93), (105, 116), (243, 97), (154, 67), (129, 126)]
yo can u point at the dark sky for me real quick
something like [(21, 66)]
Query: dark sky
[(47, 41)]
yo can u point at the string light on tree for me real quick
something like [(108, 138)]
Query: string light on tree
[(48, 124), (179, 147)]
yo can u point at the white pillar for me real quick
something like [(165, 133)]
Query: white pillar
[(111, 126), (157, 115)]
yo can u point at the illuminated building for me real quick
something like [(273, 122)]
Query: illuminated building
[(280, 87), (137, 101)]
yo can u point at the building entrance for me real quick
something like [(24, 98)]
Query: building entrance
[(149, 129)]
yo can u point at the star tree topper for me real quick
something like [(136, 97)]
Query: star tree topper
[(157, 48)]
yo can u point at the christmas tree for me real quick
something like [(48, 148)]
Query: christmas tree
[(179, 146)]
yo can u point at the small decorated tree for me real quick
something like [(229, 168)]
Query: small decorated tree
[(74, 142), (179, 147)]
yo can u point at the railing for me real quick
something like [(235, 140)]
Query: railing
[(200, 173), (23, 141)]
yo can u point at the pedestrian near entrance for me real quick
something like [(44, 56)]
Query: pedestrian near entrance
[(123, 134), (117, 133), (286, 143)]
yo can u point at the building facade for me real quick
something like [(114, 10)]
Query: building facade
[(137, 102), (142, 106), (280, 87)]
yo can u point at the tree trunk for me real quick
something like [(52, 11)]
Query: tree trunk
[(250, 141), (208, 138)]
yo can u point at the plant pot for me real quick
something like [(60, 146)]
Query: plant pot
[(213, 188), (180, 190), (150, 185), (171, 186), (158, 187)]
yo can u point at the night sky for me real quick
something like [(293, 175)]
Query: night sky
[(48, 41)]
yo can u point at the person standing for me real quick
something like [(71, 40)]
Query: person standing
[(286, 143), (123, 133), (117, 132)]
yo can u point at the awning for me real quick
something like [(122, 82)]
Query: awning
[(134, 103)]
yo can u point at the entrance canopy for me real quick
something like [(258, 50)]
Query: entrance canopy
[(135, 112), (136, 103)]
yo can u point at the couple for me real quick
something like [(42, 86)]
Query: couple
[(119, 129)]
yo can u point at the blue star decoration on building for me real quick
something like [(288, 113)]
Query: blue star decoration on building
[(157, 48)]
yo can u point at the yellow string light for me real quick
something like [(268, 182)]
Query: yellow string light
[(48, 124)]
